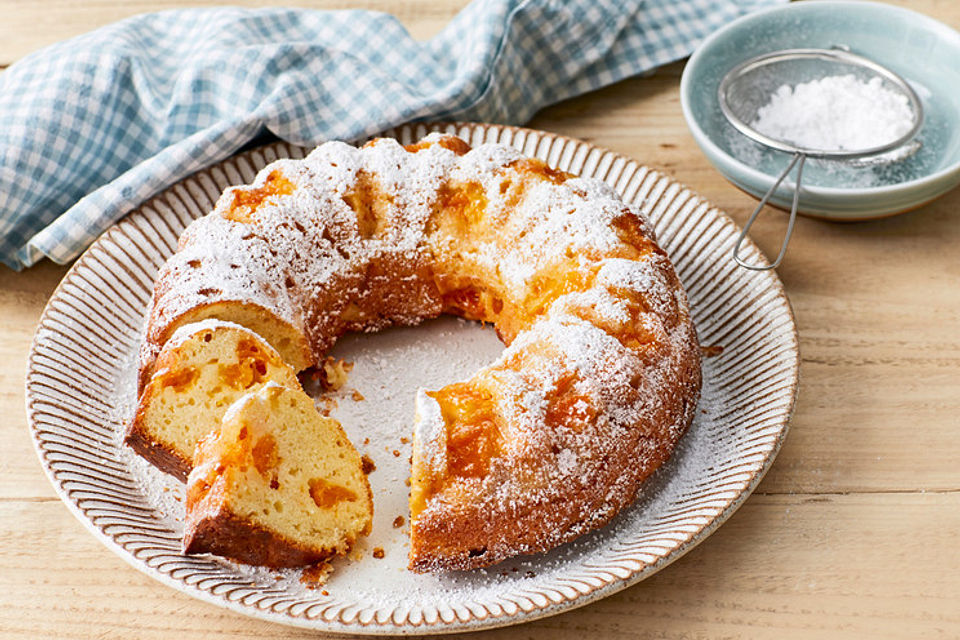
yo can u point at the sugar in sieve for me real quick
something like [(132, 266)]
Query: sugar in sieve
[(749, 87)]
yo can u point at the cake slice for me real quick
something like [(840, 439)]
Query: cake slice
[(277, 484), (203, 369)]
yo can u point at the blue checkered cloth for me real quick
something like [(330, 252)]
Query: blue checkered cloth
[(92, 127)]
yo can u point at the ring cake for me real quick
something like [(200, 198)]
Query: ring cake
[(601, 372)]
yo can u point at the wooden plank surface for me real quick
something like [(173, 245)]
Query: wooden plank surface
[(798, 566), (850, 535)]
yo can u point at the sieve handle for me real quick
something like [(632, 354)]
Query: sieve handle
[(797, 157)]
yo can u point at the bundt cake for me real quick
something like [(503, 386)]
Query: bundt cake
[(276, 484), (200, 372), (601, 373)]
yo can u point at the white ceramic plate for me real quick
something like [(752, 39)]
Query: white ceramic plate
[(80, 391)]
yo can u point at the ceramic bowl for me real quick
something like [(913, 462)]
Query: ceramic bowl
[(923, 51)]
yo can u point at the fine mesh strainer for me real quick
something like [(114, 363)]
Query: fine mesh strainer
[(749, 86)]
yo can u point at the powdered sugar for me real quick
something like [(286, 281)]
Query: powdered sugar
[(556, 221), (841, 113), (483, 162), (224, 260), (645, 277), (430, 433), (603, 365), (606, 305)]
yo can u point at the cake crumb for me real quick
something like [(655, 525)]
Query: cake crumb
[(367, 465), (404, 440), (398, 522), (324, 592), (333, 373), (316, 576), (325, 405), (711, 351), (378, 552), (357, 396), (396, 454), (366, 441)]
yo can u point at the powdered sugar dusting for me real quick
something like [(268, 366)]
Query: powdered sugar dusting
[(555, 221), (217, 261), (643, 277), (483, 162), (604, 367), (601, 300), (430, 435)]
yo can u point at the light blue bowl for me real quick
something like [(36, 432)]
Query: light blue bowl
[(923, 51)]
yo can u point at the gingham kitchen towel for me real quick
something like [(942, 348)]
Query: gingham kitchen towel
[(92, 127)]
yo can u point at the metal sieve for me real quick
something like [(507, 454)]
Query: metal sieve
[(749, 86)]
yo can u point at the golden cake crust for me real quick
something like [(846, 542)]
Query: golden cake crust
[(221, 532)]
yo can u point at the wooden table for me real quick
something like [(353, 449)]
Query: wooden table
[(853, 533)]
